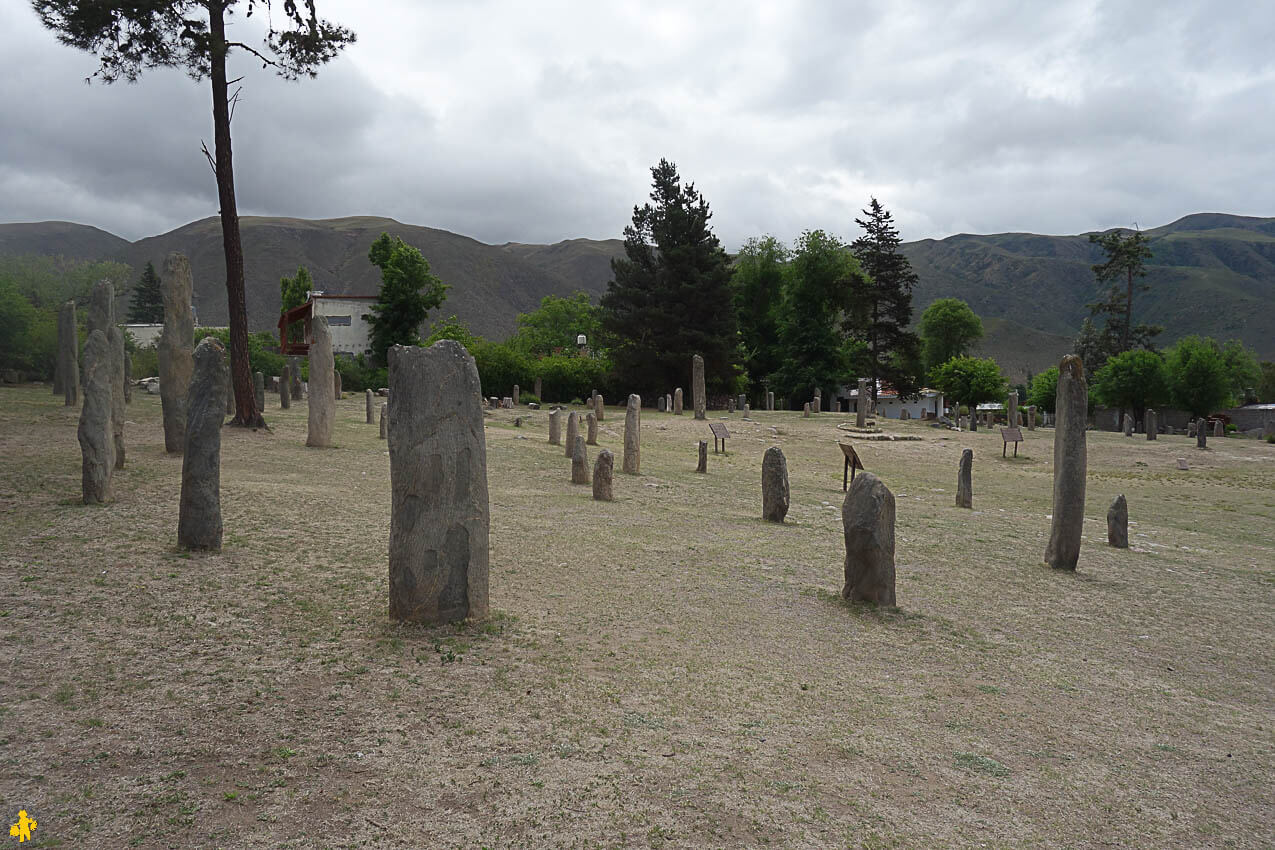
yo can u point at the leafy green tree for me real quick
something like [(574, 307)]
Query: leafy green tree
[(1043, 391), (1244, 372), (293, 292), (948, 329), (454, 329), (1199, 381), (670, 296), (970, 380), (757, 288), (1132, 379), (1109, 330), (50, 281), (500, 366), (408, 293), (129, 36), (565, 377), (883, 307), (147, 304), (552, 328)]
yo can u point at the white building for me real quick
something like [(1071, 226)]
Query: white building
[(890, 406), (146, 336), (351, 333)]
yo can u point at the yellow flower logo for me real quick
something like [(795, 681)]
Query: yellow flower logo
[(22, 829)]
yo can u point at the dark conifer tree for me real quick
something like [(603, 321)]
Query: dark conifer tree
[(147, 304), (883, 304)]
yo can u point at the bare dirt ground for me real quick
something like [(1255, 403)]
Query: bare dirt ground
[(663, 671)]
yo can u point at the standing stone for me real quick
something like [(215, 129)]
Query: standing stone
[(1118, 523), (295, 377), (1219, 430), (259, 389), (440, 514), (697, 386), (199, 515), (367, 403), (579, 461), (128, 378), (591, 426), (703, 457), (1031, 418), (774, 485), (867, 516), (1190, 428), (677, 402), (740, 401), (285, 387), (539, 397), (1201, 434), (598, 406), (555, 427), (176, 345), (1150, 425), (68, 360), (730, 405), (119, 387), (95, 433), (1011, 408), (573, 431), (805, 410), (770, 401), (603, 470), (632, 461), (384, 408), (963, 423), (747, 411), (1070, 460), (973, 418), (1128, 425), (322, 385), (659, 404), (965, 480), (336, 378), (861, 406), (516, 395), (230, 392), (816, 403)]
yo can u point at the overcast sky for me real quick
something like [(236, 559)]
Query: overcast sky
[(539, 121)]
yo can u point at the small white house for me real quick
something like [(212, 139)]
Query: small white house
[(146, 336), (928, 402), (351, 333)]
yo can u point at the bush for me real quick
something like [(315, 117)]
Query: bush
[(263, 349), (528, 398), (357, 374), (564, 376)]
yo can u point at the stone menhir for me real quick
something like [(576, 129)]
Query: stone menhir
[(965, 480), (285, 387), (579, 461), (816, 403), (199, 511), (295, 387), (1201, 434), (963, 423), (1219, 430), (68, 359), (770, 401), (747, 410), (1149, 424), (175, 349), (119, 387), (867, 516), (1070, 461), (740, 401), (659, 404), (368, 405), (697, 387), (322, 385), (1190, 428), (128, 377), (1128, 425), (597, 406), (555, 427), (591, 428), (573, 431), (677, 402), (440, 514), (516, 395), (632, 460), (603, 471), (259, 389), (95, 433), (702, 466), (805, 410), (1031, 418), (536, 390), (774, 485), (730, 405), (861, 405), (1011, 409), (1118, 523), (336, 381), (384, 408)]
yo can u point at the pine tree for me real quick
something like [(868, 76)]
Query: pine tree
[(147, 304), (883, 304), (670, 297), (757, 287)]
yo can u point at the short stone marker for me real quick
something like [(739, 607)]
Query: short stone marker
[(861, 405), (774, 485), (1128, 425), (1031, 418), (579, 461), (1070, 461), (659, 404), (367, 403), (747, 410), (1219, 429), (285, 387), (323, 377), (1011, 435), (1118, 523), (719, 433), (1201, 435), (603, 470), (677, 402), (440, 514), (597, 406), (176, 349), (805, 410), (199, 513), (516, 394), (95, 433), (591, 428), (555, 427), (632, 461), (337, 394), (384, 409), (770, 401), (697, 386), (573, 431), (259, 390), (702, 466), (852, 463), (965, 480), (867, 516), (730, 405), (1190, 428), (294, 377)]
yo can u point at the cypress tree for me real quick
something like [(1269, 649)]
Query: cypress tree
[(883, 303), (147, 304)]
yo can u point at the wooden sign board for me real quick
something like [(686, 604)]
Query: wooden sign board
[(1011, 435), (719, 433), (852, 463)]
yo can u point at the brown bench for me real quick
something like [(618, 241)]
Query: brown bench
[(852, 463)]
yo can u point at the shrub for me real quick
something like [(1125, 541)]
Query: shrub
[(263, 349)]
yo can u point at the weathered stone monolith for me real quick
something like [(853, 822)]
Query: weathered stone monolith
[(965, 480), (677, 402), (230, 390), (516, 395), (770, 401), (861, 405), (294, 378), (199, 512), (1191, 427), (632, 461), (603, 471), (128, 378), (119, 388), (730, 405), (579, 461), (1128, 425), (1201, 434), (1011, 409), (774, 485), (1118, 523), (867, 516), (175, 349), (1219, 429), (540, 398), (963, 423), (703, 457), (697, 386), (95, 433), (285, 387), (68, 354), (573, 431), (555, 427), (747, 411), (1150, 424), (336, 382), (659, 404), (598, 406), (1070, 461), (816, 403), (259, 389), (367, 404), (384, 408), (322, 385), (1031, 418), (440, 515), (740, 401), (805, 410), (591, 428)]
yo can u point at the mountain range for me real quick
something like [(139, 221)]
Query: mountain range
[(1210, 273)]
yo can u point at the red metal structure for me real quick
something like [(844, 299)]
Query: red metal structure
[(291, 317)]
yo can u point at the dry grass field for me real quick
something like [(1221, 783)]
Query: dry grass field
[(663, 671)]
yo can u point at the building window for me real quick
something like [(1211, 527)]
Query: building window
[(339, 320)]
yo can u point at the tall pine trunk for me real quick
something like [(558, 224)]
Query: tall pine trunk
[(246, 413)]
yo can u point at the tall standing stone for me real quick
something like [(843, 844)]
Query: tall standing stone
[(119, 387), (1128, 425), (1219, 430), (336, 376), (770, 400), (1031, 418), (1070, 461), (384, 408), (1118, 523), (516, 395), (539, 397), (573, 431), (697, 386), (677, 402), (1011, 409), (295, 388), (603, 471), (128, 378), (96, 436), (440, 514), (322, 385), (867, 515), (1150, 425), (68, 359), (285, 387), (965, 480), (774, 485), (175, 349), (703, 457), (740, 401), (579, 461), (1201, 434), (368, 404), (1191, 428), (861, 405), (816, 403), (598, 406), (555, 427), (805, 410), (230, 392), (259, 389), (591, 427), (632, 461), (199, 514), (660, 404)]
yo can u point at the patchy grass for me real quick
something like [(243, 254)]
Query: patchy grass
[(664, 670)]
